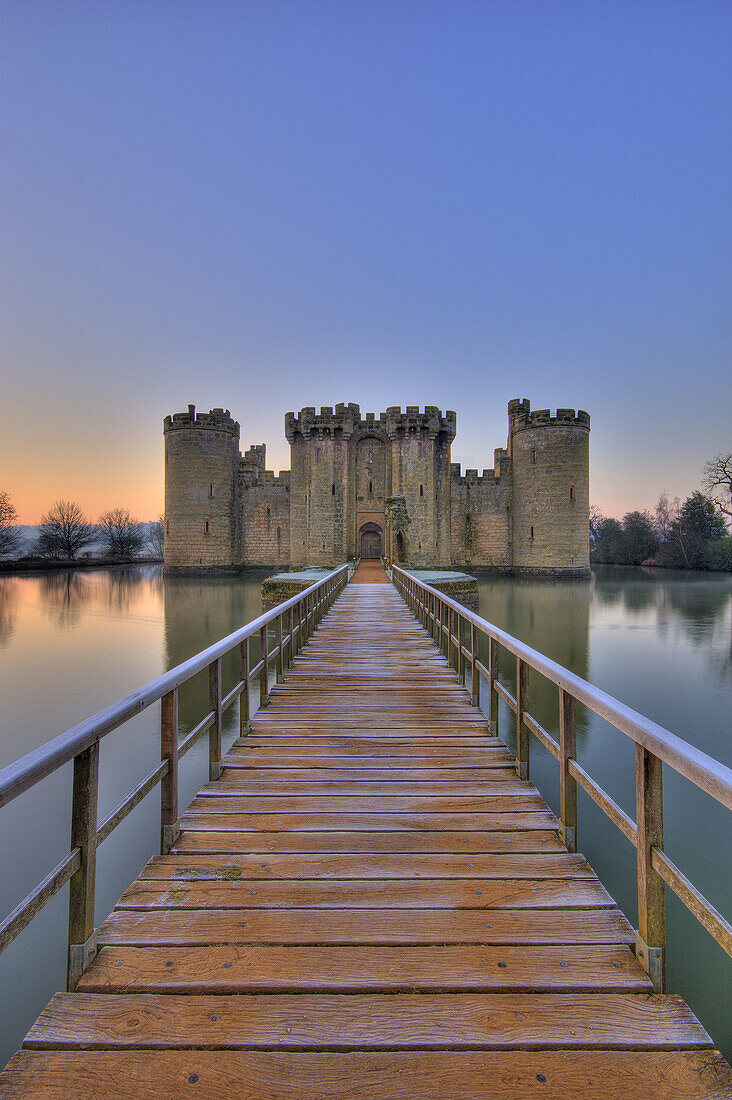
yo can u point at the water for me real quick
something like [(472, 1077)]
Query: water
[(72, 642)]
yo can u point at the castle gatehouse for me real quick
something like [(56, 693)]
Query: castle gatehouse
[(368, 486)]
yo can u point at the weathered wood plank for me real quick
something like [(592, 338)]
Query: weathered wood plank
[(251, 1075), (454, 1021), (278, 969), (501, 864), (353, 840), (368, 894), (185, 927)]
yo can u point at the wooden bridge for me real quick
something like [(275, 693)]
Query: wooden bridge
[(369, 901)]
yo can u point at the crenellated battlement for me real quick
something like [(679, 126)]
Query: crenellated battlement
[(520, 417), (217, 420), (530, 512), (412, 419), (472, 477)]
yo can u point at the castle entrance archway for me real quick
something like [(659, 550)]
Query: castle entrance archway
[(370, 540)]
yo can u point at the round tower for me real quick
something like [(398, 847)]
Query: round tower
[(201, 467), (550, 465)]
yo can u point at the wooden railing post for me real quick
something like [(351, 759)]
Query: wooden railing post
[(291, 643), (461, 655), (474, 658), (245, 717), (214, 734), (522, 705), (567, 782), (264, 675), (651, 935), (280, 666), (169, 823), (82, 935), (492, 679)]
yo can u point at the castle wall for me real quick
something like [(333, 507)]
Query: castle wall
[(551, 489), (481, 520), (265, 522), (201, 459), (529, 514)]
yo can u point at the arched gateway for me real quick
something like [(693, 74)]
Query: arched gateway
[(370, 540)]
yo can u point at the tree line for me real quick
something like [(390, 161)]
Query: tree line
[(677, 535), (65, 533)]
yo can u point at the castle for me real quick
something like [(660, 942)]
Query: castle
[(367, 486)]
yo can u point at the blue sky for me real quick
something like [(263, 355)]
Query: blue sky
[(271, 205)]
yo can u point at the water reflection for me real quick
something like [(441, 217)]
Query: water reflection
[(8, 611)]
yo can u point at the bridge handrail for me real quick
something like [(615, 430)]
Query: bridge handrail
[(446, 619), (81, 744)]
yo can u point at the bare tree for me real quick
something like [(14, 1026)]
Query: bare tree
[(718, 482), (121, 535), (64, 531), (8, 516), (156, 537)]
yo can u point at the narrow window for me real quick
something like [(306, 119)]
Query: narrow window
[(531, 531), (332, 489), (167, 527), (371, 456), (571, 492), (206, 526), (419, 449), (210, 490), (279, 534), (371, 487), (268, 512), (533, 455), (317, 454), (421, 490)]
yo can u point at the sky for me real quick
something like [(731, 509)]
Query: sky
[(267, 205)]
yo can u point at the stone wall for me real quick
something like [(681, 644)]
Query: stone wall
[(551, 489), (529, 514), (481, 520), (201, 516)]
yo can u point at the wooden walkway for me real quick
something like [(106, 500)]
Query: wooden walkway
[(367, 904)]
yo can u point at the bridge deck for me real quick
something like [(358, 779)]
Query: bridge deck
[(368, 903)]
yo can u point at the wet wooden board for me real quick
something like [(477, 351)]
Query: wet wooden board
[(502, 864), (186, 927), (450, 1021), (367, 894), (399, 1075), (368, 903), (417, 841), (362, 969)]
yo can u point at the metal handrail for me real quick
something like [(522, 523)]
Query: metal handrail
[(654, 745), (303, 612)]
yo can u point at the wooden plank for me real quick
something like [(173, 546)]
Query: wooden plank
[(502, 864), (399, 1075), (373, 777), (454, 1021), (183, 928), (363, 969), (520, 840)]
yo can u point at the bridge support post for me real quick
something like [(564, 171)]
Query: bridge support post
[(280, 666), (82, 934), (492, 693), (567, 782), (474, 658), (169, 826), (214, 734), (264, 674), (245, 718), (651, 935), (522, 704)]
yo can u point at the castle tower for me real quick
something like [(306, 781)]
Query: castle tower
[(420, 474), (551, 489), (201, 468), (319, 483)]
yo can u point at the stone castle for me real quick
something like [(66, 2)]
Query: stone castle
[(367, 486)]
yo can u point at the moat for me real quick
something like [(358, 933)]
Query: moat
[(72, 642)]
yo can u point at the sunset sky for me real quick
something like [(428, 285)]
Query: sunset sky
[(266, 205)]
